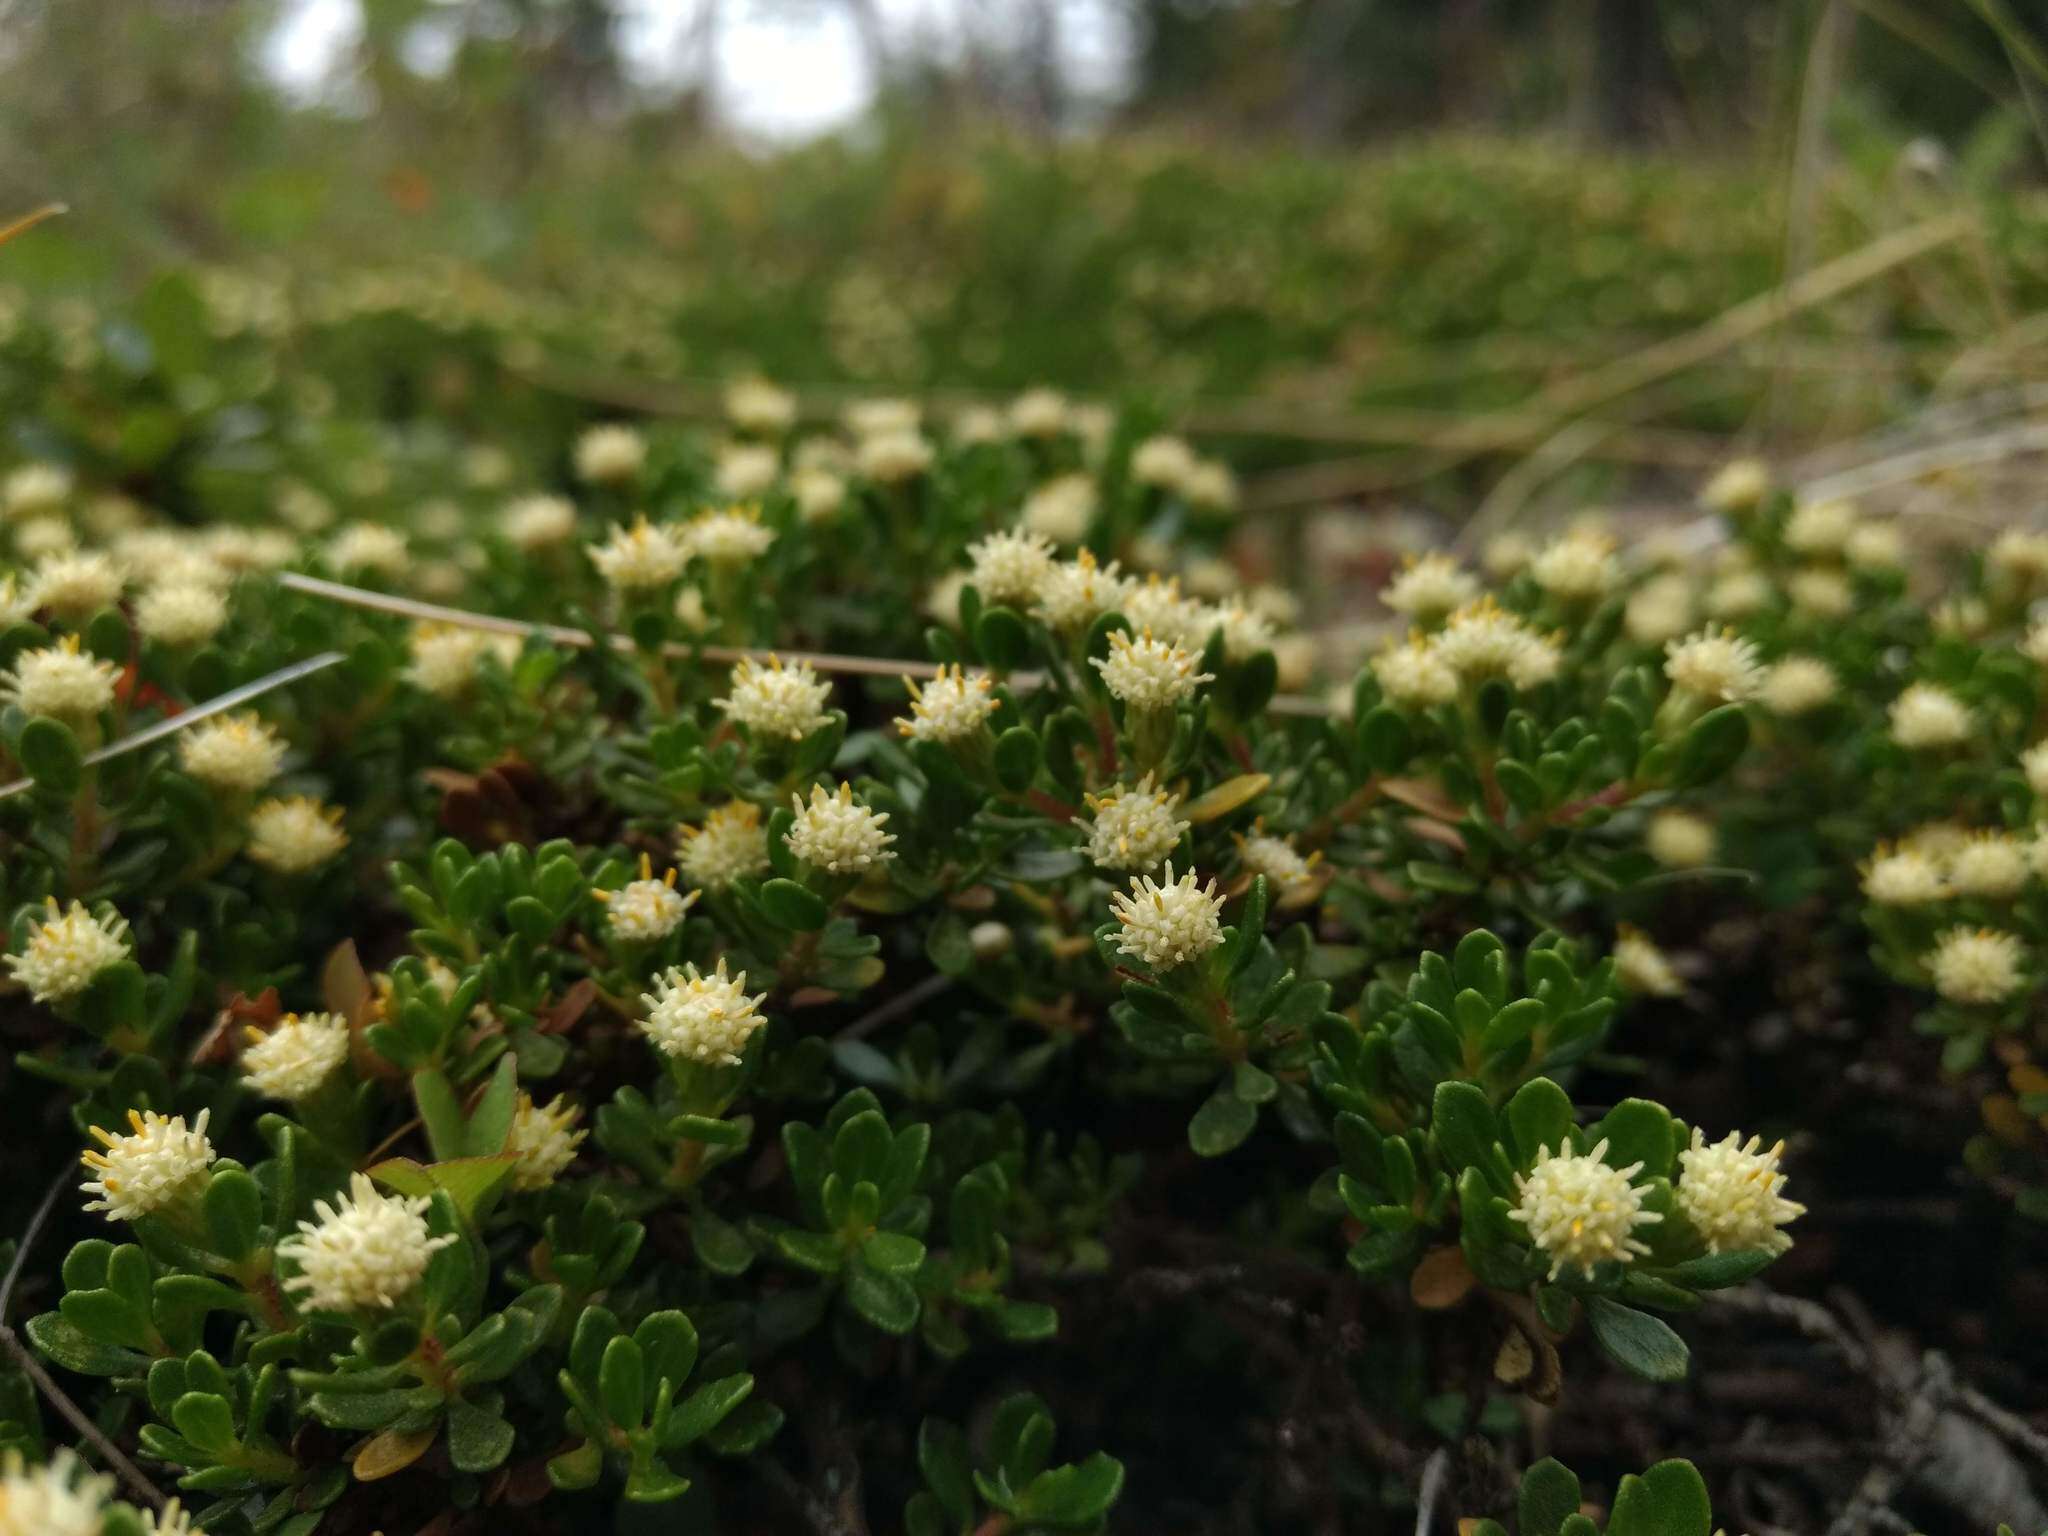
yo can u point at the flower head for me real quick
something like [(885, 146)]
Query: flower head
[(368, 547), (1576, 566), (1680, 840), (1989, 866), (1162, 461), (62, 681), (2034, 764), (1740, 485), (295, 834), (746, 469), (1875, 547), (58, 1498), (1580, 1211), (76, 585), (1413, 675), (1797, 685), (1977, 966), (1077, 592), (1149, 674), (873, 418), (295, 1056), (702, 1018), (755, 405), (819, 494), (156, 1163), (446, 658), (1135, 826), (365, 1250), (646, 909), (610, 455), (538, 522), (1276, 858), (776, 701), (172, 1520), (1713, 665), (1926, 717), (1641, 967), (1820, 527), (639, 558), (1903, 877), (544, 1139), (891, 458), (1731, 1192), (35, 488), (728, 847), (1011, 567), (1157, 606), (1061, 509), (950, 707), (1820, 592), (1482, 640), (181, 613), (237, 754), (837, 833), (65, 951), (1660, 610), (1170, 924), (1040, 413)]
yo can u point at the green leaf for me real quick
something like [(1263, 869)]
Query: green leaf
[(1638, 1131), (1385, 739), (704, 1409), (943, 1458), (721, 1246), (473, 1183), (1637, 1342), (1715, 1271), (1711, 746), (622, 1382), (1003, 638), (66, 1346), (205, 1421), (1463, 1126), (1222, 1123), (1550, 1494), (478, 1439), (491, 1122), (1540, 1118), (893, 1253), (51, 755), (793, 906), (1077, 1495), (1669, 1499), (887, 1301), (1016, 758)]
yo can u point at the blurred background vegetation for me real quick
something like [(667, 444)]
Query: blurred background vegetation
[(1387, 214)]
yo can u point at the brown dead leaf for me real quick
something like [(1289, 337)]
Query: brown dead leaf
[(1442, 1279)]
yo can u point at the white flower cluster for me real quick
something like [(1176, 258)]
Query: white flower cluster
[(1928, 718), (1283, 865), (236, 754), (1135, 826), (1738, 486), (730, 536), (1714, 666), (1977, 967), (154, 1165), (67, 950), (1798, 685), (1010, 567), (1680, 840), (1413, 675), (837, 833), (366, 1250), (75, 586), (610, 455), (1641, 967), (58, 1498), (1577, 566), (295, 834), (950, 707), (181, 613), (543, 1139), (1167, 925), (62, 681), (296, 1056), (1077, 592), (1733, 1194), (1061, 509), (776, 701), (1581, 1212), (729, 846), (646, 910), (701, 1018), (642, 558), (446, 658), (369, 547), (1149, 674), (1429, 588), (755, 405), (534, 523), (1483, 640), (746, 469)]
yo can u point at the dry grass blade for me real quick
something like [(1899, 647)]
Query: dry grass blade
[(29, 221)]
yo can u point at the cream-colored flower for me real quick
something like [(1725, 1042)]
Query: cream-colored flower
[(543, 1139), (237, 754), (777, 701), (746, 469), (1977, 966), (61, 681), (369, 547), (1577, 566), (1429, 587), (366, 1250), (731, 536), (66, 951), (1134, 826), (1820, 527), (1158, 606), (757, 406), (2021, 556), (837, 833), (1641, 967), (819, 494), (1714, 666), (1077, 592), (44, 538), (1285, 869), (31, 489), (172, 1520), (1797, 685), (534, 523), (1738, 594), (1580, 1212), (1167, 925), (155, 1164), (1210, 485), (1903, 877), (892, 458), (1011, 568), (1875, 547), (295, 834), (949, 707), (1989, 866), (1507, 554), (645, 910), (1820, 592), (58, 1498), (610, 455), (700, 1018), (2034, 764), (447, 658), (1660, 610), (1680, 840), (76, 586), (1149, 674), (296, 1056), (1061, 509), (1927, 718), (1163, 462), (1483, 640), (1413, 675), (942, 602), (641, 558), (729, 846), (181, 614), (875, 418), (1733, 1194), (1039, 413), (1738, 486)]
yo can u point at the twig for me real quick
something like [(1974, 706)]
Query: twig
[(91, 1433), (903, 1002), (1435, 1473)]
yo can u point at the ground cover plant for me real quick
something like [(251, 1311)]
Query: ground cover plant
[(893, 988)]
